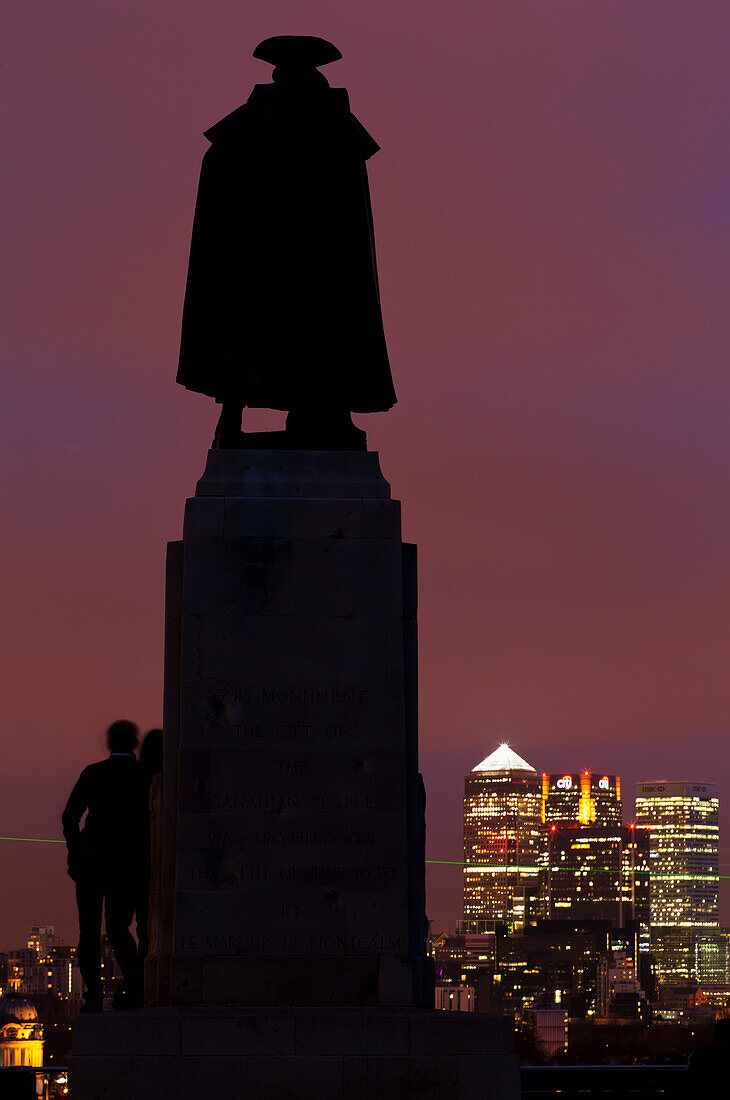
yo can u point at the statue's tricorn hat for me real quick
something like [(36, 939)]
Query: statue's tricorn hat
[(296, 50)]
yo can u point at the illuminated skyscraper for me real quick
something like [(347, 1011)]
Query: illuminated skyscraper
[(502, 835), (596, 867), (582, 799), (599, 872), (682, 820)]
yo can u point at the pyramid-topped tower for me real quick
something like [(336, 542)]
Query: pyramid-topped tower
[(502, 837), (503, 759)]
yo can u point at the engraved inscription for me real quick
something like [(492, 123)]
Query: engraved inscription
[(250, 730), (322, 874), (293, 767), (278, 803), (354, 943), (293, 836), (301, 731), (342, 802), (267, 803), (353, 695), (253, 944), (240, 945), (224, 840), (252, 873), (321, 696), (375, 874), (245, 873), (229, 710)]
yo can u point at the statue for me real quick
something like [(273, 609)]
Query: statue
[(282, 308)]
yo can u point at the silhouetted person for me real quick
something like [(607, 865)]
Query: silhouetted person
[(150, 763), (106, 859), (282, 307), (150, 755)]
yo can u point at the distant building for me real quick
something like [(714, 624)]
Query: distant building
[(620, 994), (681, 1001), (588, 968), (554, 963), (454, 998), (21, 1034), (23, 973), (682, 822), (718, 998), (42, 938), (712, 959), (583, 798), (503, 836), (550, 1028), (459, 959), (45, 974), (59, 968), (598, 873)]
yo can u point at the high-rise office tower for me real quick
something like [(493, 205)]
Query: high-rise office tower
[(599, 872), (581, 799), (595, 867), (502, 836), (682, 822)]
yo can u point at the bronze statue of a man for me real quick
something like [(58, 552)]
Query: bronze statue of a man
[(282, 308)]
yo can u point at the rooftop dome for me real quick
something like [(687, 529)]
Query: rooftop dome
[(503, 759), (18, 1008)]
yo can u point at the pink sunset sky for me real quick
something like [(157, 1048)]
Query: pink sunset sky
[(552, 206)]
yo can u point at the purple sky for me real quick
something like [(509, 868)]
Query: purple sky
[(552, 213)]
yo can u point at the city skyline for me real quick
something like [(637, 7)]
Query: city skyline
[(543, 783), (573, 916), (549, 835), (551, 245)]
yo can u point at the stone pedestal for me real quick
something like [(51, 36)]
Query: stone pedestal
[(288, 926), (292, 826), (294, 1054)]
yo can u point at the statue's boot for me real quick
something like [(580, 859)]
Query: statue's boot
[(228, 429)]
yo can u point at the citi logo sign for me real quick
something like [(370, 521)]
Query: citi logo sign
[(565, 783)]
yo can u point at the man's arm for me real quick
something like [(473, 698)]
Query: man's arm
[(76, 807)]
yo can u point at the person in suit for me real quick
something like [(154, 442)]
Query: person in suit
[(106, 860)]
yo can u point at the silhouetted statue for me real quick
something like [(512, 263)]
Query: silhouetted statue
[(106, 859), (150, 763), (282, 308)]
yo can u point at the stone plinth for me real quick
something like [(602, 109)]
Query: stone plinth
[(291, 862), (288, 926), (294, 1054)]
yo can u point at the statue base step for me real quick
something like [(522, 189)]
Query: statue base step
[(294, 1054)]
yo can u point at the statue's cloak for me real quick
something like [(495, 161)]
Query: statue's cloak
[(282, 308)]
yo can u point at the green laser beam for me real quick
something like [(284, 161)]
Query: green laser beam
[(586, 871), (441, 862), (33, 839)]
